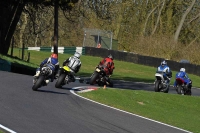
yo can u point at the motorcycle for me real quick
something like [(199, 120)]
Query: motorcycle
[(40, 81), (182, 88), (63, 77), (99, 77), (161, 84)]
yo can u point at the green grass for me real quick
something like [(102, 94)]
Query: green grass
[(1, 131), (173, 109), (176, 110)]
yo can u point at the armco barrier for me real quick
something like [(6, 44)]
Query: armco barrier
[(140, 59), (67, 50)]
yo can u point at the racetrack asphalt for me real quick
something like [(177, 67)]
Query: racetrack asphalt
[(52, 110)]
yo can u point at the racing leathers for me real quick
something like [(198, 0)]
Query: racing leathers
[(167, 74), (74, 64), (50, 62), (183, 75), (108, 65)]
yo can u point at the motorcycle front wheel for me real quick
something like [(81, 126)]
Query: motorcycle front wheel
[(38, 83), (60, 80), (157, 86), (93, 78)]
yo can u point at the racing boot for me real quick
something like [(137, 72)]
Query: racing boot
[(71, 78), (36, 76)]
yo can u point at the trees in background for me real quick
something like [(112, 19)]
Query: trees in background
[(130, 21), (11, 16)]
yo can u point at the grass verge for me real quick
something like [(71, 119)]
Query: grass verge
[(175, 110)]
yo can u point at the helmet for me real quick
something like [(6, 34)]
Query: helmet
[(53, 55), (77, 54), (110, 56), (182, 70), (163, 63)]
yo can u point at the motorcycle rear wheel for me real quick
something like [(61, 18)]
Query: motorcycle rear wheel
[(60, 81), (38, 83), (180, 90)]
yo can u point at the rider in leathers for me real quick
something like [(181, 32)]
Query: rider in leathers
[(166, 70), (74, 63), (52, 61), (183, 75), (108, 65)]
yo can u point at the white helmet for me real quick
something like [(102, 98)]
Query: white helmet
[(77, 54), (182, 70), (163, 63)]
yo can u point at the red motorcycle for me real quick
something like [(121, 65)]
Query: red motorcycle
[(99, 77), (182, 88)]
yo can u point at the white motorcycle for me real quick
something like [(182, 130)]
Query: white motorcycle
[(161, 84)]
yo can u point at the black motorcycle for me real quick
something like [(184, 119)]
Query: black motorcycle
[(40, 81), (99, 77), (182, 88)]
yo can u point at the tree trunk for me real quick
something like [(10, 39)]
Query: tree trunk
[(178, 30), (22, 29), (158, 18), (13, 11)]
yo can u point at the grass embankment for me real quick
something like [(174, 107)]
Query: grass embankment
[(177, 110), (173, 109)]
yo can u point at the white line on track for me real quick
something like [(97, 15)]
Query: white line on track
[(72, 91), (7, 129)]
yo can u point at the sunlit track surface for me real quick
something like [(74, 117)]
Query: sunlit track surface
[(51, 110)]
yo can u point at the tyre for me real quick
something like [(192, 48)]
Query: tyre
[(38, 83), (93, 78), (180, 90), (60, 80), (157, 86)]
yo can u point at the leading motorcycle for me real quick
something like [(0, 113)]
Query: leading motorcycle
[(63, 77), (182, 88), (45, 73), (99, 77), (161, 84)]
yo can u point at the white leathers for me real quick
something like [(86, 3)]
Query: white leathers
[(74, 62), (165, 69)]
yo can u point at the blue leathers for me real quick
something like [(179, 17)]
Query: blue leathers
[(166, 70), (52, 63), (184, 77)]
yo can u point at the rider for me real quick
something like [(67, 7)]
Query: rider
[(74, 63), (183, 75), (167, 72), (108, 65), (54, 65)]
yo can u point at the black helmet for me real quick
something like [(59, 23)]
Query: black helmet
[(110, 56)]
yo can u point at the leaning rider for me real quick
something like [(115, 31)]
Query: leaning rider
[(74, 63), (52, 61)]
